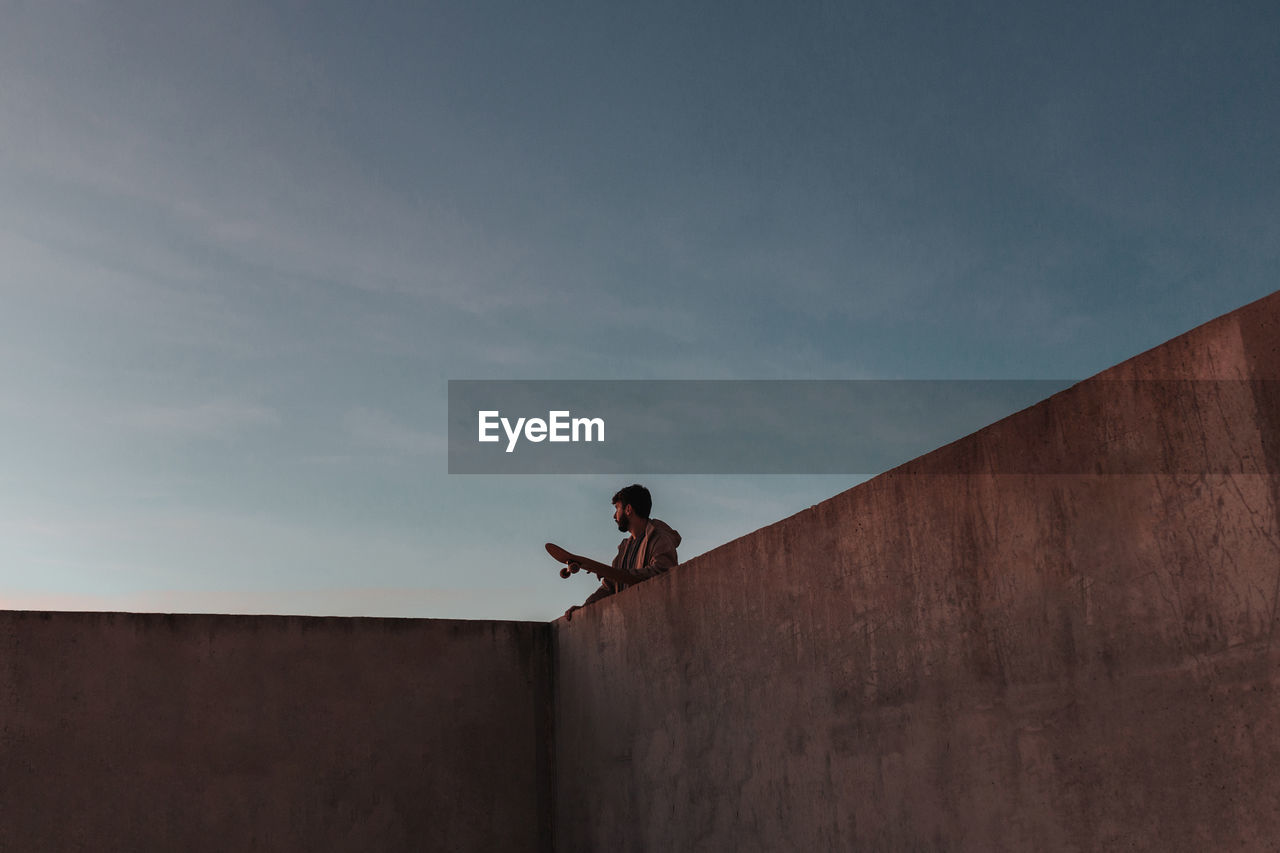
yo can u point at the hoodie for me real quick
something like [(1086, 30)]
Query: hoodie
[(655, 555)]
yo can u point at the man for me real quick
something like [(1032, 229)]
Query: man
[(650, 549)]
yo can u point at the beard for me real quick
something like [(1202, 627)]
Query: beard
[(623, 525)]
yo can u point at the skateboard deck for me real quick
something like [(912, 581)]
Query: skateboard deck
[(574, 562)]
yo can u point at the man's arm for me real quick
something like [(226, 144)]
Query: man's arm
[(604, 572), (661, 556)]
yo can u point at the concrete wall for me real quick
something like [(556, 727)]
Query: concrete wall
[(991, 647), (1058, 633), (154, 732)]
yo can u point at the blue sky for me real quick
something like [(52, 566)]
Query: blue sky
[(246, 245)]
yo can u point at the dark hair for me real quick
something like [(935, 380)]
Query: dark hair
[(637, 496)]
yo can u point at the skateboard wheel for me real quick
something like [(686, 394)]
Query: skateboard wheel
[(575, 568), (564, 573)]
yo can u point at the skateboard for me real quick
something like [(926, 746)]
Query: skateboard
[(573, 563)]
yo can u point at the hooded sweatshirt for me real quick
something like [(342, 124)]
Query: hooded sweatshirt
[(655, 554)]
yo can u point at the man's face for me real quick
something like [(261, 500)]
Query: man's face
[(620, 516)]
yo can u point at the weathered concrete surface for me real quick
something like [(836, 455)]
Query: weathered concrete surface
[(154, 732), (963, 654)]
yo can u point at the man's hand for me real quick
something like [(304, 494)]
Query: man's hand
[(568, 614)]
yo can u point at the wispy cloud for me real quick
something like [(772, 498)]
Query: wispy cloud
[(294, 204), (379, 431), (205, 419)]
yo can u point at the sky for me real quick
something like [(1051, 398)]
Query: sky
[(245, 246)]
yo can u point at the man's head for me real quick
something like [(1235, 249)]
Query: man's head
[(631, 506)]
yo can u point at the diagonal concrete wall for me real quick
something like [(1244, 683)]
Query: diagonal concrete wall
[(1055, 634), (156, 732)]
